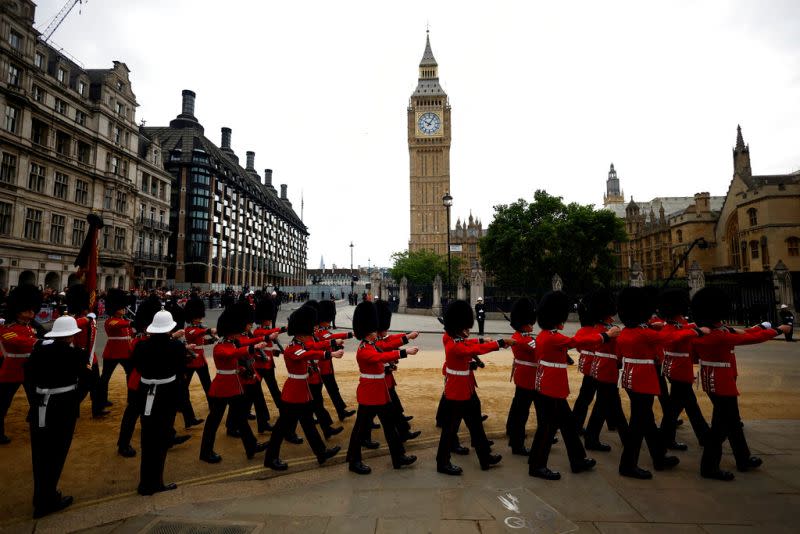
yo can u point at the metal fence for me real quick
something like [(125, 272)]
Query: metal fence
[(752, 296), (420, 296)]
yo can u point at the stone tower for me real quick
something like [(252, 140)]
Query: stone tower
[(741, 157), (429, 158), (614, 194)]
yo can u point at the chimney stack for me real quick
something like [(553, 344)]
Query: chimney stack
[(702, 202), (283, 191), (187, 107), (268, 177), (226, 138), (251, 161)]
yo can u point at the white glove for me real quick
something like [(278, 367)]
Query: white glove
[(46, 342), (91, 316), (766, 324)]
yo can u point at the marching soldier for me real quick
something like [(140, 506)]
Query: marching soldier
[(118, 346), (718, 374), (373, 395), (77, 302), (251, 380), (327, 314), (197, 334), (461, 400), (588, 385), (552, 387), (55, 374), (296, 397), (324, 418), (523, 372), (17, 340)]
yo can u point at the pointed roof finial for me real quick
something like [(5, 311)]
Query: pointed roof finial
[(739, 138), (427, 58)]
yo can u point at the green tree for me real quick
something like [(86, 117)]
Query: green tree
[(527, 243), (422, 266)]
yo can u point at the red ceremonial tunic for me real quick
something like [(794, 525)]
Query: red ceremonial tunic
[(460, 383), (227, 354), (585, 357), (326, 366), (640, 349), (298, 357), (17, 342), (197, 334), (393, 342), (268, 363), (551, 353), (86, 338), (678, 363), (135, 378), (245, 340), (372, 388), (524, 368), (118, 346), (715, 353), (605, 362)]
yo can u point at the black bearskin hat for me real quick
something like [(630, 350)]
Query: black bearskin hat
[(522, 312), (584, 316), (327, 311), (228, 323), (384, 315), (116, 299), (244, 313), (195, 309), (23, 298), (601, 304), (365, 319), (710, 305), (265, 310), (553, 310), (314, 305), (634, 306), (458, 317), (77, 299), (302, 321), (145, 313), (673, 302)]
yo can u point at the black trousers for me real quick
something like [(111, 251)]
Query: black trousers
[(108, 370), (607, 407), (682, 398), (237, 413), (518, 415), (129, 417), (396, 409), (7, 392), (585, 396), (329, 381), (318, 406), (642, 427), (50, 445), (292, 414), (453, 411), (96, 393), (726, 423), (480, 326), (366, 414), (669, 416), (255, 397), (186, 400), (157, 434), (272, 385), (552, 415)]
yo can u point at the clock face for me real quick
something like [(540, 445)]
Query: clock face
[(429, 123)]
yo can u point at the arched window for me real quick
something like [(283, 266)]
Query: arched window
[(752, 214), (793, 245), (754, 250), (679, 236)]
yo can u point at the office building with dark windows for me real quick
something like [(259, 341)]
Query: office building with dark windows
[(230, 227)]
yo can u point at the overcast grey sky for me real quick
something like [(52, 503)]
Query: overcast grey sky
[(543, 95)]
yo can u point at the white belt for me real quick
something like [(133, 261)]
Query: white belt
[(523, 362), (586, 352), (374, 377), (676, 354), (605, 355), (456, 372), (638, 361), (12, 355), (227, 371), (714, 364), (47, 392), (553, 364), (151, 393), (122, 338), (298, 377)]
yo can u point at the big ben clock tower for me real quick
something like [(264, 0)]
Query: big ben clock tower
[(429, 157)]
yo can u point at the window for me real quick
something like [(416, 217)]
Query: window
[(38, 94), (119, 239), (78, 231), (13, 75), (82, 88), (61, 106), (145, 182), (63, 143), (122, 202), (752, 214), (120, 108), (679, 236), (114, 165), (57, 229), (60, 186), (39, 132), (61, 76), (117, 134), (15, 40), (754, 250), (81, 192), (119, 86), (38, 60), (12, 118), (80, 117), (793, 245), (5, 218), (107, 199), (8, 169), (33, 224), (162, 191), (153, 186), (36, 178), (84, 152)]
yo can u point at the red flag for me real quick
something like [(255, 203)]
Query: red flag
[(87, 259)]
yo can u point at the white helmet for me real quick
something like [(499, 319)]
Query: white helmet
[(65, 326), (162, 323)]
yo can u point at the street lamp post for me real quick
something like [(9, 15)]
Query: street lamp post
[(352, 280), (447, 201)]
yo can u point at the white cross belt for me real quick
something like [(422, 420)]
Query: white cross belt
[(636, 361), (151, 393), (298, 377), (523, 362), (553, 364), (380, 376), (47, 392), (456, 372), (606, 355)]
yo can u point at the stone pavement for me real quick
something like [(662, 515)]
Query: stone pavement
[(311, 500)]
